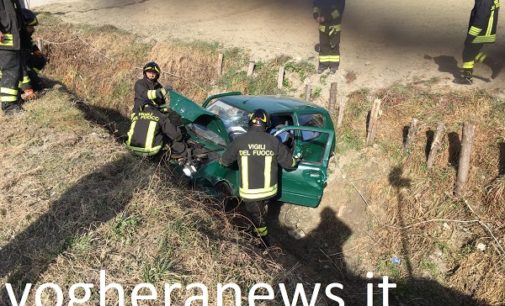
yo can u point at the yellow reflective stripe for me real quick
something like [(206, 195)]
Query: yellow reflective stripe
[(322, 28), (262, 231), (490, 23), (9, 91), (268, 170), (36, 70), (480, 57), (130, 132), (335, 14), (244, 165), (260, 193), (484, 39), (335, 28), (151, 94), (468, 65), (145, 152), (8, 98), (25, 80), (164, 92), (293, 163), (329, 58), (8, 40), (150, 135), (474, 31)]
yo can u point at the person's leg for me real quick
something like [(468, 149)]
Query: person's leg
[(256, 211), (324, 49), (471, 52), (334, 59), (10, 69)]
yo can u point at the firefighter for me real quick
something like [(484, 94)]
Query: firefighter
[(257, 154), (148, 88), (328, 14), (12, 33), (35, 61), (151, 130), (481, 30)]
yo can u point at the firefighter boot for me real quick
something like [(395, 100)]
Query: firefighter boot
[(466, 77)]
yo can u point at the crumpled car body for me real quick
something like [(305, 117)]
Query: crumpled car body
[(304, 128)]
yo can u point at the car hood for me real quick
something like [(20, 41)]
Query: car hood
[(191, 112)]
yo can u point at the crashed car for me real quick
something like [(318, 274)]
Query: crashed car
[(306, 129)]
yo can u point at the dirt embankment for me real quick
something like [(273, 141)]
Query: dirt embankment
[(383, 42)]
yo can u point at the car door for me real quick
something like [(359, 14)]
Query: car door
[(305, 184)]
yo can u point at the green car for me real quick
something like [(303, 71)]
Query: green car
[(306, 129)]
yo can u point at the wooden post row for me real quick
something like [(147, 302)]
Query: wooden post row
[(435, 145), (464, 158), (373, 122)]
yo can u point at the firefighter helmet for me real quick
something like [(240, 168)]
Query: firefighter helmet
[(259, 118), (29, 17), (152, 66)]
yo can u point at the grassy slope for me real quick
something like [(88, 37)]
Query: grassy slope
[(74, 202), (102, 71)]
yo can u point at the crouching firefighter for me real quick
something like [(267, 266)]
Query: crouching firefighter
[(148, 88), (258, 154), (152, 133)]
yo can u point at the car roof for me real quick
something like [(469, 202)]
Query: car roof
[(271, 104)]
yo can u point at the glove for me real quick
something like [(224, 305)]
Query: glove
[(30, 94)]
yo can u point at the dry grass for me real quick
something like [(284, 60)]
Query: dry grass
[(411, 194), (74, 202)]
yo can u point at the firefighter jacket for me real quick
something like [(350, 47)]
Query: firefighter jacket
[(148, 90), (484, 21), (150, 130), (11, 25), (257, 154), (331, 10)]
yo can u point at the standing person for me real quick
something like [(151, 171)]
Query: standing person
[(12, 32), (148, 88), (328, 14), (481, 30), (258, 154)]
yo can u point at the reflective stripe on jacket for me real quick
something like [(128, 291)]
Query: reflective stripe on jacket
[(11, 25), (484, 21)]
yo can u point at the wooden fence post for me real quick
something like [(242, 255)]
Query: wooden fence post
[(464, 158), (341, 108), (280, 78), (308, 92), (220, 64), (333, 97), (373, 122), (435, 145), (250, 69), (411, 135)]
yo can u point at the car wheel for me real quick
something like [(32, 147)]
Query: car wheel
[(225, 193)]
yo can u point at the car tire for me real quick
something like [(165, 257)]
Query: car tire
[(225, 193)]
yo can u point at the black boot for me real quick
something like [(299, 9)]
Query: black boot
[(466, 77)]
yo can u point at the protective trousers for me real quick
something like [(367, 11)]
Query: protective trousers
[(256, 211), (11, 72), (329, 46), (472, 53)]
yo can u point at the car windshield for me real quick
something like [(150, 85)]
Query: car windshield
[(235, 120)]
